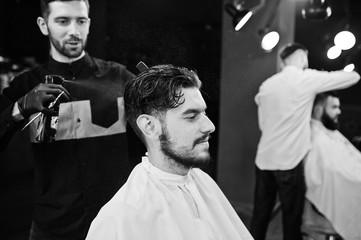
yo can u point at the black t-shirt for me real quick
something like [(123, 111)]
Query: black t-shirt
[(80, 171)]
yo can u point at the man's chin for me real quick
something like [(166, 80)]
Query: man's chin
[(201, 161), (73, 52)]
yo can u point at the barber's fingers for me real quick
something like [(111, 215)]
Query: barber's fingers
[(55, 92), (60, 87), (53, 89), (45, 99)]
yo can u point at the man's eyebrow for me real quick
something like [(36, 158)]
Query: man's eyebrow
[(67, 17), (194, 110)]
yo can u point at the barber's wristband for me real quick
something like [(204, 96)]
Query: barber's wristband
[(21, 106), (17, 116)]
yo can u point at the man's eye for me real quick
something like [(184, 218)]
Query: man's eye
[(82, 21), (191, 116), (62, 21)]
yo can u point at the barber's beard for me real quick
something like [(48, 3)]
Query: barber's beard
[(184, 159), (330, 123), (66, 49)]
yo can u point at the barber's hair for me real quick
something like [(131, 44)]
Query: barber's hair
[(290, 48), (155, 91), (321, 97), (44, 6)]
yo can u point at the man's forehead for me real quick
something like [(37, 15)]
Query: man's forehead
[(68, 8), (192, 98), (192, 101), (332, 100)]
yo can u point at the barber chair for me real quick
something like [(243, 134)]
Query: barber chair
[(315, 226)]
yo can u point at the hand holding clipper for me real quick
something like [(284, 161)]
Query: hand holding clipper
[(39, 114), (39, 98)]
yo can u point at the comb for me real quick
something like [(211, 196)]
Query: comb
[(141, 66)]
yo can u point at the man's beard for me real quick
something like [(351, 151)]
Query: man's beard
[(70, 52), (329, 122), (183, 159)]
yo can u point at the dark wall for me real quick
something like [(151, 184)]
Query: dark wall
[(244, 67)]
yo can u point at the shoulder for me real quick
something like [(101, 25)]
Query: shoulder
[(36, 71), (200, 173), (128, 198), (109, 64), (203, 178), (320, 135), (115, 69), (272, 82), (139, 189), (24, 81)]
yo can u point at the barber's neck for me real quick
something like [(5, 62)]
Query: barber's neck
[(64, 59), (297, 65)]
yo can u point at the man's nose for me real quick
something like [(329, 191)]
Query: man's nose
[(208, 126), (73, 28)]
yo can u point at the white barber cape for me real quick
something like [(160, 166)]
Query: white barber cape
[(333, 179), (156, 205)]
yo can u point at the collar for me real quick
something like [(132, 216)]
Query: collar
[(318, 125), (72, 69), (316, 122), (291, 67), (166, 177)]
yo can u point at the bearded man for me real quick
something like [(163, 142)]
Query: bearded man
[(167, 196), (332, 173)]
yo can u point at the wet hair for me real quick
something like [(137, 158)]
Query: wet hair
[(290, 48), (321, 97), (44, 6), (155, 91)]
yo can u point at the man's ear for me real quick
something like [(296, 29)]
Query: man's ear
[(282, 64), (42, 25), (317, 111), (149, 125)]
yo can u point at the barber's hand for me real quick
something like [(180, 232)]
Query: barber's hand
[(39, 98)]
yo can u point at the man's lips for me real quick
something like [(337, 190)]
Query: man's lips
[(73, 42), (202, 140)]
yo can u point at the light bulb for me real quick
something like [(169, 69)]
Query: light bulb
[(334, 52), (349, 68), (345, 40), (270, 40)]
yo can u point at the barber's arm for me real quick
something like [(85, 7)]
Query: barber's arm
[(324, 81), (8, 125)]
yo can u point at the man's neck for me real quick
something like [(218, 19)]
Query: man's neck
[(64, 59), (165, 164)]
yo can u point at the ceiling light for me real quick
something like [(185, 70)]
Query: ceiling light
[(345, 40), (349, 67), (239, 16), (334, 52), (241, 19), (269, 40), (317, 10)]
